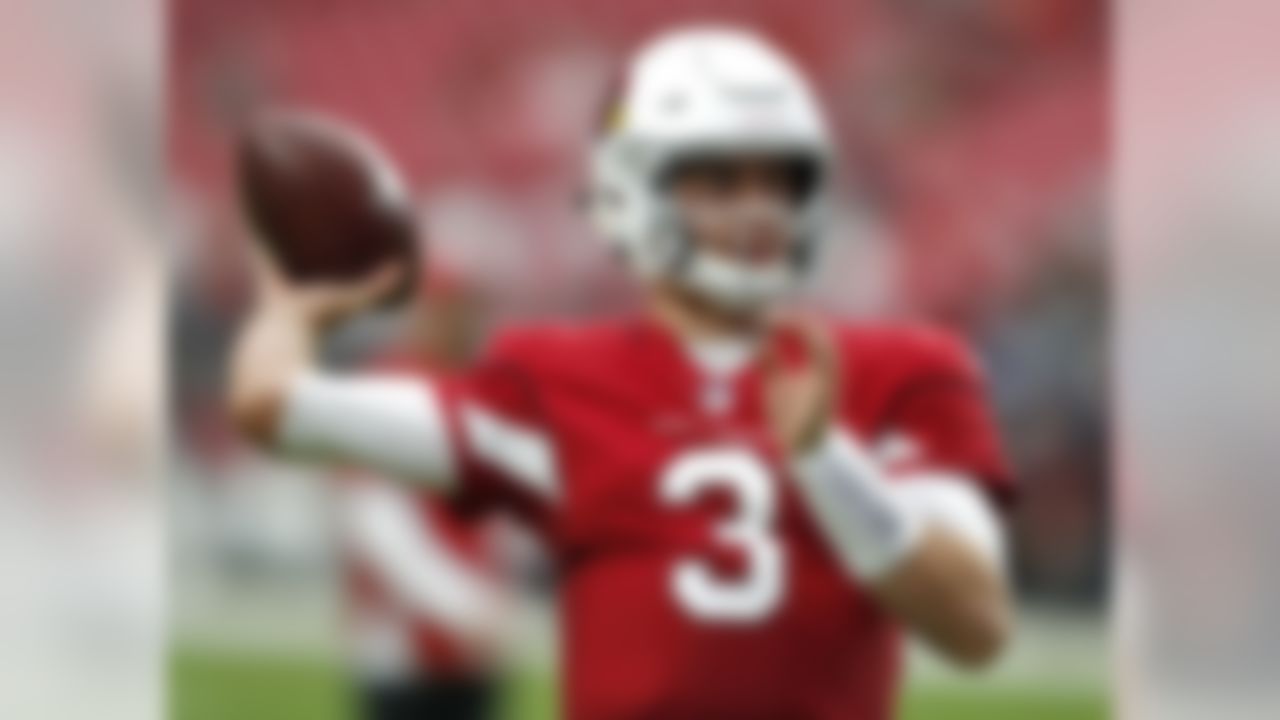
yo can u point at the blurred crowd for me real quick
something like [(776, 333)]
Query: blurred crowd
[(973, 139)]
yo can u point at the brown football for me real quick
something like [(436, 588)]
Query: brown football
[(325, 200)]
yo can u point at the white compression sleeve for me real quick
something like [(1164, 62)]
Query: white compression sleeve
[(873, 524), (393, 425)]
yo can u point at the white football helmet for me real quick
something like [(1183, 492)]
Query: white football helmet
[(692, 93)]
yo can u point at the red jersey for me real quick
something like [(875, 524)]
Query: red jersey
[(693, 583)]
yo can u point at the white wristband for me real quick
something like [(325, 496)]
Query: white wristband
[(867, 525)]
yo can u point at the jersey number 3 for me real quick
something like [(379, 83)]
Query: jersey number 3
[(698, 589)]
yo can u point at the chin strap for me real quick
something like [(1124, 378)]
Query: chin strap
[(735, 286)]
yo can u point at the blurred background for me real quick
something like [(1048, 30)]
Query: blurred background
[(973, 136)]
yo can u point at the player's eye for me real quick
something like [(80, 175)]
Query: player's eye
[(796, 177)]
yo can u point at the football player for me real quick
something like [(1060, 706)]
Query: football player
[(745, 505)]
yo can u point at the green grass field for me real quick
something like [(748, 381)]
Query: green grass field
[(207, 686)]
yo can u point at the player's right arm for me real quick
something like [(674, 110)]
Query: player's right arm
[(283, 400), (480, 436)]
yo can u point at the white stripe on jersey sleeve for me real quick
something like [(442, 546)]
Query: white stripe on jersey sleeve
[(392, 425), (415, 561), (522, 453), (954, 501)]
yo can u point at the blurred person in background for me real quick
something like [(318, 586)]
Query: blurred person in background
[(746, 506), (424, 584)]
